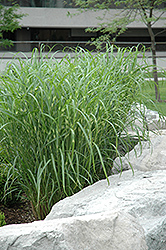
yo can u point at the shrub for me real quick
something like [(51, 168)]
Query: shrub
[(2, 219), (63, 122)]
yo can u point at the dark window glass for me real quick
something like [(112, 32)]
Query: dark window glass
[(42, 3)]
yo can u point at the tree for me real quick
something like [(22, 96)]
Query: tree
[(146, 11), (9, 21)]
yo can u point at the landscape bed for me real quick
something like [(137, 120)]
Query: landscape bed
[(64, 122)]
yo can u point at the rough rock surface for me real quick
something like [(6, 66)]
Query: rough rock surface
[(153, 155), (113, 231), (154, 121), (142, 195)]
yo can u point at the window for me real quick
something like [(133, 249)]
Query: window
[(42, 3)]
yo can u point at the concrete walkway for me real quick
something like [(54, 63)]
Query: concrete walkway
[(6, 57)]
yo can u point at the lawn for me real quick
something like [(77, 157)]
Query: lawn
[(161, 74), (150, 89)]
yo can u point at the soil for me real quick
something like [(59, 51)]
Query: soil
[(18, 213)]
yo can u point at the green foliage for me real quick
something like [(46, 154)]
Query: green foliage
[(2, 185), (2, 219), (9, 193), (158, 106), (9, 21), (3, 178), (112, 24), (63, 122)]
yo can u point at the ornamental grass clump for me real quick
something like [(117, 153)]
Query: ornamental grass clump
[(63, 122)]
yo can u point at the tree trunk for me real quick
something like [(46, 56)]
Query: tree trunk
[(155, 75)]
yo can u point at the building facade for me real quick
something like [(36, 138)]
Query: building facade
[(48, 22)]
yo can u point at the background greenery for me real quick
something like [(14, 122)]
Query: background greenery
[(62, 123), (128, 11), (150, 92), (10, 18)]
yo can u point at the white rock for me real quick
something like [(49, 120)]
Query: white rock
[(153, 156), (142, 195), (152, 120), (113, 231)]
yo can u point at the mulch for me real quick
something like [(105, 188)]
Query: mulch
[(18, 213)]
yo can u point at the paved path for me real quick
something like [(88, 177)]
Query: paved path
[(7, 56)]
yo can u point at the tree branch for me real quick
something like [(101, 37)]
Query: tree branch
[(151, 8), (160, 32), (158, 17)]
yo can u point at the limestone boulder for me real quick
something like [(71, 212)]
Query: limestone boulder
[(142, 195), (111, 231), (152, 119), (147, 157)]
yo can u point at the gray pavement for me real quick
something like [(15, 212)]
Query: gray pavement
[(6, 57)]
